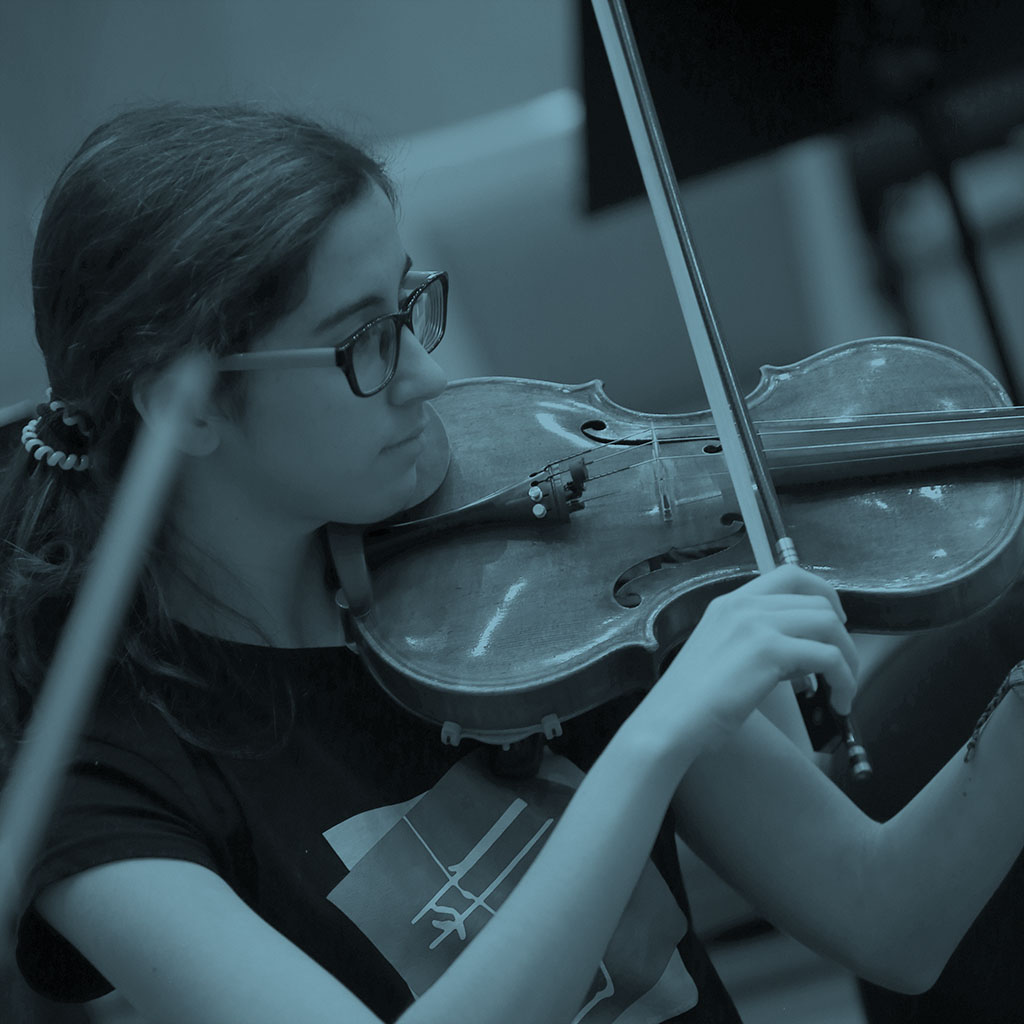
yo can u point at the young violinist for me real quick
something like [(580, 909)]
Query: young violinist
[(251, 831)]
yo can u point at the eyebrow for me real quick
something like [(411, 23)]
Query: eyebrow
[(340, 315)]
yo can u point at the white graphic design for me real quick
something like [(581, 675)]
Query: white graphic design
[(456, 872), (426, 875)]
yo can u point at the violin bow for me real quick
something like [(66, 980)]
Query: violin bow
[(100, 605), (741, 445)]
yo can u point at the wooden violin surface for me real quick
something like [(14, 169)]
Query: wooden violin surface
[(505, 629)]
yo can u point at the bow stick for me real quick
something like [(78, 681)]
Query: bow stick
[(741, 446), (99, 608)]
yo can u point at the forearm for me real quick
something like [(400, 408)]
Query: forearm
[(516, 971), (939, 860)]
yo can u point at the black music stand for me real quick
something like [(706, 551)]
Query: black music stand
[(737, 79)]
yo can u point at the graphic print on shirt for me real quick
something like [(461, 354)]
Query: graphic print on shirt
[(426, 875)]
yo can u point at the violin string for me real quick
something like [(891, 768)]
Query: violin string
[(945, 443), (769, 428), (590, 498), (980, 450), (616, 446), (923, 416), (864, 421), (950, 444), (863, 457), (848, 432)]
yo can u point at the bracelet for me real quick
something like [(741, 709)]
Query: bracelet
[(1014, 681)]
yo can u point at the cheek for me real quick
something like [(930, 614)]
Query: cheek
[(318, 454)]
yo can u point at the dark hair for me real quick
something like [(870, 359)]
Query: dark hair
[(171, 228)]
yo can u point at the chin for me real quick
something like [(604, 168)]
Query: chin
[(407, 492), (397, 494)]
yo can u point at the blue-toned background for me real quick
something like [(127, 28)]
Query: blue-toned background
[(479, 107)]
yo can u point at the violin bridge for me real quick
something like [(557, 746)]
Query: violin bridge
[(664, 502)]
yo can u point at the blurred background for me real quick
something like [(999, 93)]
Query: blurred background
[(816, 159), (480, 110)]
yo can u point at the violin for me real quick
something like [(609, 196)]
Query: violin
[(571, 544), (533, 631)]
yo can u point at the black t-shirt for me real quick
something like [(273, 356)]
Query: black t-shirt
[(376, 849)]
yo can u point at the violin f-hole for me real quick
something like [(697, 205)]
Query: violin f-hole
[(591, 430), (626, 590)]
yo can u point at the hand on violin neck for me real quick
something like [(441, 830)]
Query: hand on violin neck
[(785, 625)]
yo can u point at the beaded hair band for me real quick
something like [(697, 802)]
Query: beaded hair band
[(40, 450)]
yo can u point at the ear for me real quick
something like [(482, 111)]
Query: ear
[(202, 433)]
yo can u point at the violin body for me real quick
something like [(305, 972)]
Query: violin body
[(505, 629)]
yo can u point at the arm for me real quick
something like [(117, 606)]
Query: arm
[(174, 939), (890, 901), (180, 945)]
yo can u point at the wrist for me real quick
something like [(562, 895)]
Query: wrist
[(664, 743)]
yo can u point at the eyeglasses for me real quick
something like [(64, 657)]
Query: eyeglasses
[(369, 356)]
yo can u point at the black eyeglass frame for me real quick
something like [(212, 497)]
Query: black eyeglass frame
[(340, 355)]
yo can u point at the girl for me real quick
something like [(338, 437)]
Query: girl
[(251, 831)]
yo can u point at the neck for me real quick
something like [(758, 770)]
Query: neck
[(238, 572)]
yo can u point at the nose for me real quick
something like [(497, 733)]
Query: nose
[(419, 376)]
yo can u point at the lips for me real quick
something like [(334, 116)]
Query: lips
[(414, 436)]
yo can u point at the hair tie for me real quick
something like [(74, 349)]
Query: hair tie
[(68, 413), (41, 451)]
